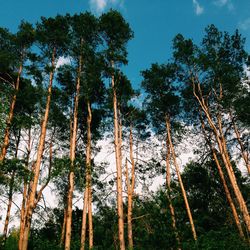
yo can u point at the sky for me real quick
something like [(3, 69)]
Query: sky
[(154, 22)]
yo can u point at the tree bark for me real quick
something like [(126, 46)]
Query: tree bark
[(118, 158), (10, 116), (168, 186), (223, 180), (221, 142), (244, 154), (31, 199), (180, 179), (88, 194), (72, 159), (63, 228)]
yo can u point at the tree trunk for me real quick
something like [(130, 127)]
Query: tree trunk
[(63, 228), (180, 179), (31, 199), (72, 159), (223, 180), (25, 190), (87, 194), (10, 116), (84, 219), (6, 224), (171, 207), (238, 137), (10, 195), (130, 188), (221, 142), (117, 142)]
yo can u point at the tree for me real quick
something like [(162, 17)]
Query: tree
[(51, 34), (116, 33), (163, 104)]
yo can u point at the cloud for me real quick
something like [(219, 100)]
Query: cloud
[(245, 25), (62, 60), (224, 3), (98, 6), (198, 8)]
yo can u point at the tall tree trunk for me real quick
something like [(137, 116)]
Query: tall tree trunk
[(10, 116), (88, 195), (31, 199), (223, 180), (63, 227), (10, 194), (130, 188), (72, 158), (221, 142), (25, 190), (84, 218), (168, 186), (238, 137), (179, 178), (117, 142)]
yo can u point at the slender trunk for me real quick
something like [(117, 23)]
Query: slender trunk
[(117, 142), (88, 163), (223, 180), (31, 198), (244, 154), (180, 179), (88, 194), (10, 116), (221, 142), (63, 227), (25, 190), (72, 158), (130, 187), (171, 207), (84, 218), (10, 195)]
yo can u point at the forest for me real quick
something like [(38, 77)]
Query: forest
[(89, 161)]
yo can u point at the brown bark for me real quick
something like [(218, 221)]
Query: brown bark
[(130, 187), (31, 199), (179, 178), (10, 195), (221, 142), (88, 194), (244, 154), (84, 219), (168, 186), (63, 228), (6, 139), (72, 159), (223, 180), (118, 158)]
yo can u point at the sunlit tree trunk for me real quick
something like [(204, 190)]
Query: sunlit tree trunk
[(238, 137), (6, 139), (87, 194), (179, 178), (117, 142), (31, 199), (171, 207), (130, 179), (221, 142), (223, 180), (72, 160)]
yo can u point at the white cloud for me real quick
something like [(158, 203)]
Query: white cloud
[(62, 60), (224, 3), (198, 8), (98, 6), (245, 25)]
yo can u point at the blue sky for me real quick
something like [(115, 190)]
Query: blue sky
[(154, 22)]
